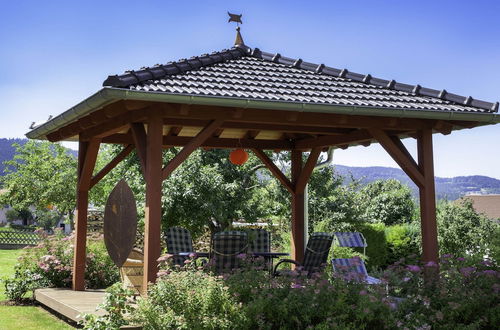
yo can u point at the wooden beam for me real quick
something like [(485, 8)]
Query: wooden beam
[(297, 201), (140, 141), (230, 143), (257, 126), (306, 172), (263, 116), (112, 164), (113, 125), (92, 149), (152, 226), (334, 140), (98, 117), (430, 248), (400, 154), (274, 170), (192, 145)]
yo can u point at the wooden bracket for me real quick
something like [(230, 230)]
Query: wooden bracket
[(274, 170), (112, 164)]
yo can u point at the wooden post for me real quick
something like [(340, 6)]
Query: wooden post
[(153, 199), (297, 209), (427, 197), (87, 154)]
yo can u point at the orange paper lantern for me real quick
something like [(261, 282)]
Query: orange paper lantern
[(238, 156)]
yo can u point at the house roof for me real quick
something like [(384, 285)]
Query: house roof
[(247, 78), (489, 205), (241, 72)]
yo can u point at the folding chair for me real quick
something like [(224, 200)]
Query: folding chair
[(260, 241), (225, 250), (179, 239), (315, 256), (353, 270), (351, 239)]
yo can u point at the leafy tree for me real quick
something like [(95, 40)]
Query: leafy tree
[(205, 191), (387, 201), (461, 229), (42, 175)]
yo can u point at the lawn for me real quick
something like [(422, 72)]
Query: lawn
[(23, 317)]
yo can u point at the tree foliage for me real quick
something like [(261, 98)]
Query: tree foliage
[(387, 201), (462, 230), (42, 175)]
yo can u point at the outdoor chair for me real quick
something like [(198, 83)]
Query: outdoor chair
[(315, 256), (178, 240), (132, 271), (351, 239), (260, 241), (353, 270), (226, 248)]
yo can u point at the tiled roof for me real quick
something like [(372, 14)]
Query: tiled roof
[(486, 204), (252, 74)]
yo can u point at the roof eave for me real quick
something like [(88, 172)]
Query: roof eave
[(109, 95)]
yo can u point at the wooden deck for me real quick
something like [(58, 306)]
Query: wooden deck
[(71, 304)]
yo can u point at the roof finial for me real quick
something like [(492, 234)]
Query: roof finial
[(237, 19)]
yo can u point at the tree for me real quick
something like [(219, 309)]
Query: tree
[(387, 201), (42, 175), (205, 191), (24, 214), (462, 230)]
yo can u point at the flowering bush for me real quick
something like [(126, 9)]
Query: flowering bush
[(49, 264), (466, 295)]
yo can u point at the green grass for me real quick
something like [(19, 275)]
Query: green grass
[(23, 317)]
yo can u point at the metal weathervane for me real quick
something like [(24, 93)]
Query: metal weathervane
[(237, 19)]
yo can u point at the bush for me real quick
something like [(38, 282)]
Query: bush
[(401, 242), (462, 230), (49, 264), (377, 250), (194, 298)]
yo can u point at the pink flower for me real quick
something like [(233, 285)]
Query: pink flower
[(431, 264), (413, 268), (363, 292), (467, 271)]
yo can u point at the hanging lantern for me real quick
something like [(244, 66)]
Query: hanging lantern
[(238, 156)]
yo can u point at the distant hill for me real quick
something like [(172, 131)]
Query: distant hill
[(449, 188)]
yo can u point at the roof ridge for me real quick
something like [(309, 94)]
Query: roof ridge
[(162, 70), (369, 79)]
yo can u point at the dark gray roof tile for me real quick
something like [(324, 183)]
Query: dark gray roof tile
[(254, 74)]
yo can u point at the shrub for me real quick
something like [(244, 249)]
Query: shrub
[(377, 251), (49, 264), (401, 242), (462, 230)]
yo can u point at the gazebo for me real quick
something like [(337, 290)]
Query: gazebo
[(247, 98)]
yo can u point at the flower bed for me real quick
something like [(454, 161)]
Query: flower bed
[(49, 264), (464, 296)]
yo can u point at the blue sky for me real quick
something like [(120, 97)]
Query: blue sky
[(53, 54)]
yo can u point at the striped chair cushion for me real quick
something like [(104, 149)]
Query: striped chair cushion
[(353, 269), (179, 240), (317, 249), (226, 248), (353, 239)]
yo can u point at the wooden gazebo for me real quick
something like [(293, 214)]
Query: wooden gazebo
[(243, 97)]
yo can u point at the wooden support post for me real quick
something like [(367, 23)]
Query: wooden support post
[(297, 209), (427, 197), (153, 180), (87, 154)]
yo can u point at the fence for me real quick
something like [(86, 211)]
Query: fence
[(15, 239)]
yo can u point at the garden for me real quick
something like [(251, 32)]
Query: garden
[(464, 295)]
